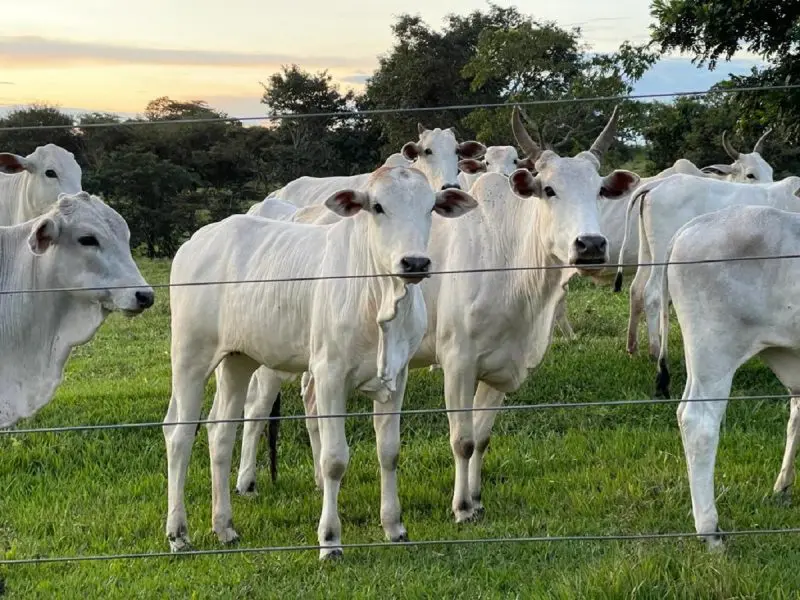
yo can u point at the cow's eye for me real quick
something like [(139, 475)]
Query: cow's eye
[(378, 209), (751, 176), (428, 151), (550, 192), (88, 240), (51, 174)]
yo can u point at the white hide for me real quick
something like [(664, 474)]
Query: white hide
[(348, 333), (730, 312), (29, 185), (38, 331), (668, 204)]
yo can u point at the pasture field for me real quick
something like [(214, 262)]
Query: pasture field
[(550, 472)]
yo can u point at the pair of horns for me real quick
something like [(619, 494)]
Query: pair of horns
[(734, 153), (532, 149)]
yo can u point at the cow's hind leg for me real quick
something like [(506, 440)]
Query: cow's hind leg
[(387, 438), (190, 371), (786, 365), (233, 378), (263, 389), (710, 368), (652, 310), (482, 420)]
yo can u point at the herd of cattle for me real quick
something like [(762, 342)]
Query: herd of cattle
[(359, 298)]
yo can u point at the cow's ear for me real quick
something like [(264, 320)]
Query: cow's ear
[(453, 202), (618, 183), (524, 184), (346, 203), (44, 234), (10, 164), (471, 166)]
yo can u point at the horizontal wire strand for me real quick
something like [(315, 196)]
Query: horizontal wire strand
[(410, 412), (376, 545), (418, 109), (428, 273)]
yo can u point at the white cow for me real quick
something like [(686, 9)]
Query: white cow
[(487, 330), (435, 154), (668, 204), (746, 168), (497, 159), (348, 333), (730, 312), (29, 185), (80, 242)]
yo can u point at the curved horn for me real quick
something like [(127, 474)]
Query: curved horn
[(421, 128), (606, 137), (732, 152), (529, 147), (760, 142)]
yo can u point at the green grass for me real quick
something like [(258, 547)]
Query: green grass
[(554, 472)]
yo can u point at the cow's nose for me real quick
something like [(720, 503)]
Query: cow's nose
[(591, 248), (145, 299), (415, 264), (450, 186)]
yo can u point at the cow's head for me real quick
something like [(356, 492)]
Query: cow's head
[(569, 190), (52, 171), (747, 167), (437, 153), (498, 159), (86, 244), (399, 203)]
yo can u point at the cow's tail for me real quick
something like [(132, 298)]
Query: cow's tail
[(663, 378), (638, 193), (272, 437)]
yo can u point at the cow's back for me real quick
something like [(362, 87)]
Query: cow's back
[(753, 296), (306, 191), (261, 314)]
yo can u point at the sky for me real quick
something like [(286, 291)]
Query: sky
[(115, 56)]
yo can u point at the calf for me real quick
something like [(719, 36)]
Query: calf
[(728, 313), (348, 333)]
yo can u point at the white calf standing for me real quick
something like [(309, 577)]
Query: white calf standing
[(730, 312), (80, 242), (348, 333)]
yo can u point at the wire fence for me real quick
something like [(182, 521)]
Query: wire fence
[(427, 273), (622, 537), (407, 110), (406, 412)]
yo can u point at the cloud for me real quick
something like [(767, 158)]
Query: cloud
[(355, 79), (34, 51), (7, 83)]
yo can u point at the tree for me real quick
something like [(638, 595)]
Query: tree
[(424, 68), (323, 145), (542, 62), (25, 142), (715, 29)]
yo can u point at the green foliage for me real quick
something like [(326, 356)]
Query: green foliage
[(711, 30)]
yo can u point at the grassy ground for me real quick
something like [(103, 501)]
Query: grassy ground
[(556, 472)]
